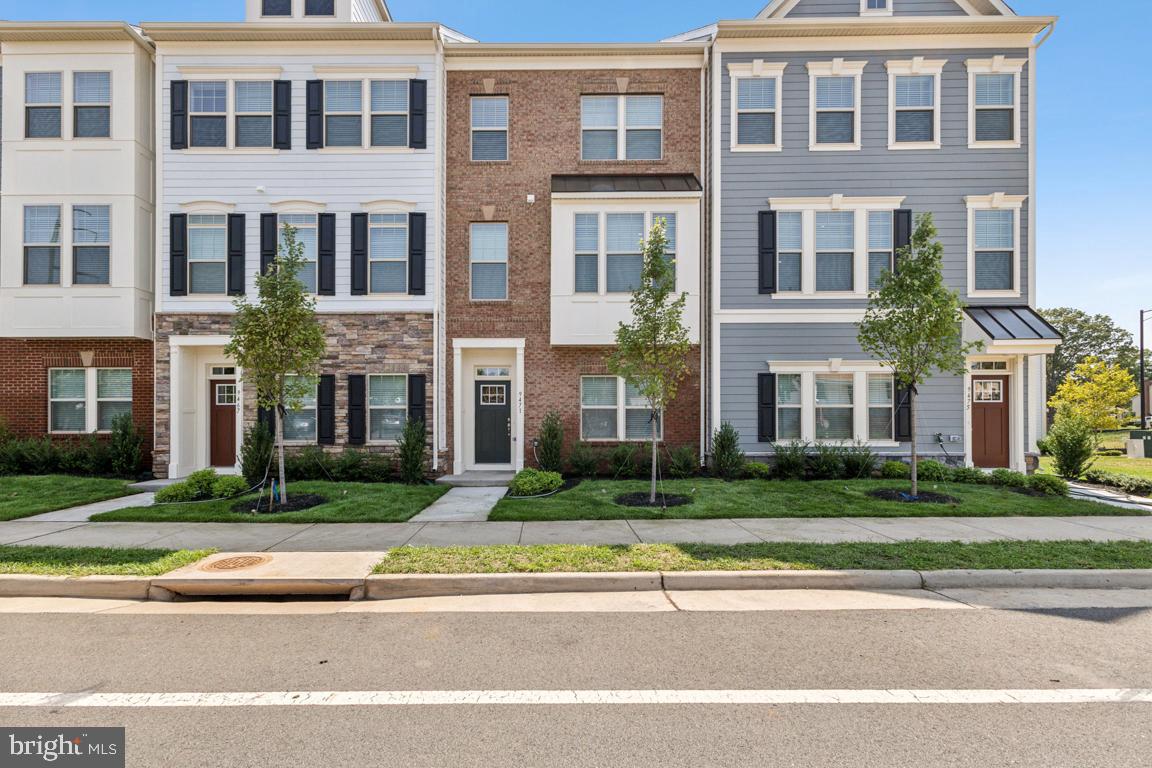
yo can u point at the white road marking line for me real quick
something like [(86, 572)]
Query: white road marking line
[(552, 698)]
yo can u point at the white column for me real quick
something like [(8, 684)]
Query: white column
[(457, 412), (1017, 413)]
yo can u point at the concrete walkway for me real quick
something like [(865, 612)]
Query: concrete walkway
[(463, 505), (85, 513), (359, 537)]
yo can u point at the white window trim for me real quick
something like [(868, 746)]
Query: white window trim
[(207, 209), (622, 127), (995, 202), (507, 264), (66, 113), (602, 252), (365, 112), (506, 130), (63, 243), (835, 68), (230, 76), (75, 103), (997, 65), (407, 251), (91, 399), (621, 409), (808, 207), (860, 370), (270, 114), (106, 244), (280, 214), (370, 407), (885, 11), (910, 68), (756, 69)]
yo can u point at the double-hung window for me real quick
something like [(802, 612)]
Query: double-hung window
[(994, 99), (914, 103), (208, 113), (388, 252), (389, 105), (489, 261), (344, 122), (68, 400), (881, 407), (319, 7), (276, 8), (43, 98), (880, 246), (625, 246), (92, 105), (756, 88), (489, 128), (622, 127), (611, 408), (995, 247), (789, 406), (835, 251), (789, 247), (300, 422), (620, 250), (253, 113), (835, 406), (91, 244), (343, 113), (207, 253), (42, 245), (387, 407), (639, 418), (306, 226), (834, 93), (113, 396), (876, 7), (82, 400), (587, 253)]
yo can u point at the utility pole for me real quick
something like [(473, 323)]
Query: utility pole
[(1143, 375)]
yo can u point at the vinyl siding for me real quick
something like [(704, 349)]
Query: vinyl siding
[(931, 180), (826, 8), (365, 10), (344, 182)]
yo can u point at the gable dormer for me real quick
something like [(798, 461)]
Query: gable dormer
[(317, 11), (809, 9)]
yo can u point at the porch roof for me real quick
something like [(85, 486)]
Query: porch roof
[(1013, 324)]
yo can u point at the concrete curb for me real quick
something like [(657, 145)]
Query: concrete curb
[(1039, 579), (392, 587), (689, 581), (97, 587)]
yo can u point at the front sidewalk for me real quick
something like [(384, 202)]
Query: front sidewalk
[(359, 537)]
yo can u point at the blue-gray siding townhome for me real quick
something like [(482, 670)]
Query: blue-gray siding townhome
[(833, 124)]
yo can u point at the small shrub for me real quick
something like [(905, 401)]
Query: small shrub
[(412, 452), (755, 470), (791, 460), (72, 459), (622, 460), (584, 460), (535, 482), (1073, 445), (550, 453), (1009, 479), (1048, 485), (1137, 486), (98, 457), (229, 486), (177, 493), (125, 448), (201, 483), (895, 470), (40, 456), (827, 462), (348, 466), (859, 462), (727, 459), (683, 463), (970, 476), (1111, 452), (307, 463), (376, 468), (1044, 445), (256, 454), (933, 471)]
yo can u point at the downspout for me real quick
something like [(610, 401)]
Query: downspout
[(705, 254), (437, 310)]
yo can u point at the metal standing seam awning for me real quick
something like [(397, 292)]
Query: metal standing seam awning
[(1014, 330), (654, 183)]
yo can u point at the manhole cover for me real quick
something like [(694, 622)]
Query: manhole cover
[(237, 563)]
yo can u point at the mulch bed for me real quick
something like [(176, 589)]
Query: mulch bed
[(925, 497), (642, 500), (297, 502)]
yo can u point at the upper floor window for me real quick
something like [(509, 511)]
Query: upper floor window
[(756, 92), (489, 262), (254, 105), (388, 252), (208, 113), (994, 245), (82, 400), (624, 247), (91, 244), (306, 226), (276, 8), (880, 246), (387, 407), (42, 104), (489, 128), (621, 252), (834, 93), (389, 113), (622, 127), (319, 7), (835, 247), (344, 124), (42, 245), (994, 97), (343, 113), (92, 105), (207, 253), (913, 99)]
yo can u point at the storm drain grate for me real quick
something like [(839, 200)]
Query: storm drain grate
[(237, 563)]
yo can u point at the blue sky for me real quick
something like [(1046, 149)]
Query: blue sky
[(1093, 181)]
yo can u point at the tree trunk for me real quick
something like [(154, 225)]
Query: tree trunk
[(280, 453), (655, 455), (915, 454)]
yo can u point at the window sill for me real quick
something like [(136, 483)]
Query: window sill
[(793, 295), (756, 148), (913, 145), (834, 147), (231, 151), (994, 145), (366, 150), (994, 294), (660, 160), (618, 441), (490, 162)]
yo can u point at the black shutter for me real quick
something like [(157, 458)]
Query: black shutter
[(357, 411), (282, 115), (326, 254), (767, 251), (269, 225), (417, 234), (359, 254), (903, 416), (266, 417), (417, 398), (901, 235), (179, 96), (178, 255), (236, 235), (326, 410), (766, 407), (315, 105), (418, 114)]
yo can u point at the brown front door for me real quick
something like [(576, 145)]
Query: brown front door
[(222, 423), (990, 443)]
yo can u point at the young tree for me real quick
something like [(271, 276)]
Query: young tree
[(1100, 393), (278, 342), (913, 322), (652, 351)]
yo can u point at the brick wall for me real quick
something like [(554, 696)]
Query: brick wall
[(544, 139), (24, 378)]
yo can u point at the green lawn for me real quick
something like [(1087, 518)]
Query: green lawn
[(28, 495), (593, 500), (92, 561), (347, 503), (1119, 464), (914, 555)]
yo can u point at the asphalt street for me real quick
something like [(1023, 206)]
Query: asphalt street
[(781, 650)]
